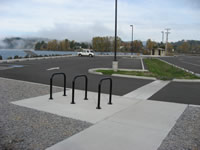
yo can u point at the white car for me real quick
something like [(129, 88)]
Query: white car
[(86, 52)]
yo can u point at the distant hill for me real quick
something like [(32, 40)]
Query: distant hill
[(187, 46), (20, 43)]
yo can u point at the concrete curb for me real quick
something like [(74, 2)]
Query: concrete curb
[(135, 77), (191, 105), (93, 71), (35, 58), (186, 80)]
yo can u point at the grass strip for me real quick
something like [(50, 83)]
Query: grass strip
[(157, 69)]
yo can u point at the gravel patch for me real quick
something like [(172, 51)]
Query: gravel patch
[(24, 128), (185, 135)]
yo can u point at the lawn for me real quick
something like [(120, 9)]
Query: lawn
[(157, 69)]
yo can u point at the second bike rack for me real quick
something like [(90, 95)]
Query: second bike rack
[(99, 92), (73, 87)]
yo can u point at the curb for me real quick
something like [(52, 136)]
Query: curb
[(135, 77), (186, 80), (93, 71), (36, 58)]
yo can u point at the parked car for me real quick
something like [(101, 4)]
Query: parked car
[(86, 52)]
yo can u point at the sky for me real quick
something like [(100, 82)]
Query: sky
[(81, 20)]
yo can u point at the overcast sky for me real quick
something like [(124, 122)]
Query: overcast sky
[(80, 20)]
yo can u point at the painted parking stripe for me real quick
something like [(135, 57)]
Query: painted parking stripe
[(55, 68)]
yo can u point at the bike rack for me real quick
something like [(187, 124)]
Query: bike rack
[(99, 92), (73, 86), (51, 84)]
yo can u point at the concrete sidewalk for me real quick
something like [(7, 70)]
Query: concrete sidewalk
[(142, 126), (127, 124), (84, 110)]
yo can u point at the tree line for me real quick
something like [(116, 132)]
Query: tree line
[(64, 45), (106, 44)]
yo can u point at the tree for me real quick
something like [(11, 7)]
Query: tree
[(137, 46), (150, 44), (184, 47)]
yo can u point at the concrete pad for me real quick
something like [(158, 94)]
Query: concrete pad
[(142, 126), (148, 90), (84, 110)]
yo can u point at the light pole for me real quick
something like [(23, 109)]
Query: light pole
[(162, 36), (167, 33), (132, 41), (115, 58), (115, 63)]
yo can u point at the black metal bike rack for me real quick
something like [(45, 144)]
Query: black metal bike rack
[(73, 87), (99, 92), (51, 84)]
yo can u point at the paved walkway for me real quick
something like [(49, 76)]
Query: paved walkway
[(130, 123), (143, 126)]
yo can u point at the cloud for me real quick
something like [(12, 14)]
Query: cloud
[(83, 19), (194, 3), (79, 32)]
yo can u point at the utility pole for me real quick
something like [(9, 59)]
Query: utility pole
[(167, 33), (162, 36)]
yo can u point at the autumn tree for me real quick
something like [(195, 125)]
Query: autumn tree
[(137, 46), (150, 44), (184, 47)]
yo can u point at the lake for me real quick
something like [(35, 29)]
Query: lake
[(5, 53)]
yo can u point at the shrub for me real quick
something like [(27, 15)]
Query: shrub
[(27, 56), (9, 58), (1, 57), (16, 57)]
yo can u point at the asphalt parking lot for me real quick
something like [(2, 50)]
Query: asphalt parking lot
[(37, 71), (179, 92), (191, 63)]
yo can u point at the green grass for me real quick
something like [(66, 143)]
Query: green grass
[(157, 69)]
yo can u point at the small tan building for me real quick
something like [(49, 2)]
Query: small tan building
[(158, 52)]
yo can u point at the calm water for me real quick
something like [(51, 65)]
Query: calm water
[(5, 53)]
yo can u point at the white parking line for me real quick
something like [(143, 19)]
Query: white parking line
[(55, 68), (142, 63)]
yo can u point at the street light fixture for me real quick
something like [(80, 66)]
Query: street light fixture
[(132, 40)]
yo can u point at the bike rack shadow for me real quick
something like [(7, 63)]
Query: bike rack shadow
[(51, 84), (99, 92), (73, 87)]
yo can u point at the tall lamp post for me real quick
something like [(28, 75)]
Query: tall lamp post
[(115, 62), (162, 36), (132, 40)]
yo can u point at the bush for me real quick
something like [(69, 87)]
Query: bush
[(9, 58), (1, 57), (16, 57), (27, 56)]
